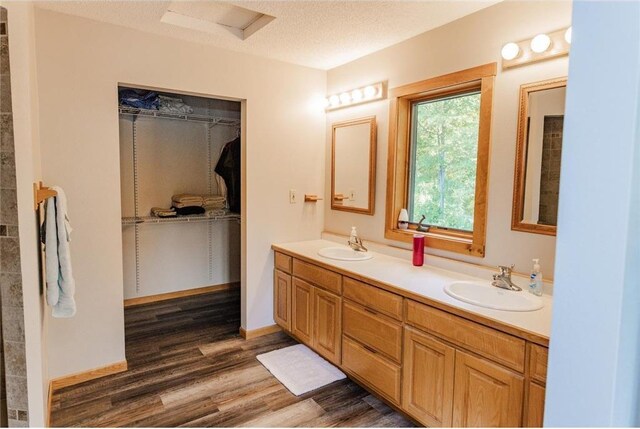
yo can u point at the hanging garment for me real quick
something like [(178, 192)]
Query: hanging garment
[(228, 168), (60, 283), (222, 188)]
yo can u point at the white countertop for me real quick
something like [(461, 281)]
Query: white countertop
[(427, 281)]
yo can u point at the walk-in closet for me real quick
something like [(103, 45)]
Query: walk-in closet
[(180, 182)]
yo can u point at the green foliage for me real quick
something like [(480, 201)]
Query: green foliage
[(445, 153)]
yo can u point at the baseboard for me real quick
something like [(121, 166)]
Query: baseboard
[(254, 333), (81, 377), (132, 302)]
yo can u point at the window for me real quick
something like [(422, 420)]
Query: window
[(444, 151), (439, 139)]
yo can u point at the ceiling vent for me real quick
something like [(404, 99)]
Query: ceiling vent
[(211, 17)]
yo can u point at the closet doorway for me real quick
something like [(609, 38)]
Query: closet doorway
[(180, 169)]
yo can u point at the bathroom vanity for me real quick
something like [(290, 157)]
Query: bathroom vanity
[(392, 328)]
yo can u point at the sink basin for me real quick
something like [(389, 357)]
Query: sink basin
[(344, 254), (485, 295)]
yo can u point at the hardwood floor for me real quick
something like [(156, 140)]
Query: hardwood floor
[(189, 367)]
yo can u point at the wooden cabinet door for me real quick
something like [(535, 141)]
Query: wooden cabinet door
[(282, 299), (327, 324), (534, 407), (428, 372), (302, 310), (485, 394)]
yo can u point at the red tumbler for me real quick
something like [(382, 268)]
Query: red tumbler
[(418, 250)]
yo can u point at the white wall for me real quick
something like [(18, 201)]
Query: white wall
[(594, 362), (27, 152), (470, 41), (80, 63)]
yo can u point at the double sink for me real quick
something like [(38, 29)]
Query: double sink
[(478, 292)]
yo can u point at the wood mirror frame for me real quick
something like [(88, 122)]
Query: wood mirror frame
[(336, 203), (520, 174)]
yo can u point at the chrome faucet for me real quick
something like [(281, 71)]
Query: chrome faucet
[(503, 280), (356, 244)]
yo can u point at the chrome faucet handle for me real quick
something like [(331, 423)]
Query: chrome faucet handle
[(506, 270), (357, 244)]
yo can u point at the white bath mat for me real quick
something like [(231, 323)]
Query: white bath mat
[(300, 369)]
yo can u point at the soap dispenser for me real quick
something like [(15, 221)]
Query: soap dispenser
[(535, 281)]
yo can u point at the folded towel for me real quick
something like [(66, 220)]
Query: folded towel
[(213, 198), (161, 212), (181, 198), (184, 205), (192, 210), (173, 105), (216, 212)]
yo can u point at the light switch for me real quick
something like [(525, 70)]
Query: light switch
[(292, 196)]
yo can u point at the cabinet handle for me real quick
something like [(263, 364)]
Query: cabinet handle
[(368, 310), (370, 349)]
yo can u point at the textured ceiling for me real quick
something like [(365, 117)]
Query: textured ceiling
[(319, 34)]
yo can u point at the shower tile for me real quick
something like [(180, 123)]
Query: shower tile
[(13, 323), (9, 207), (17, 392), (18, 424), (7, 170), (5, 94), (4, 55), (11, 289), (6, 132), (10, 254), (15, 362)]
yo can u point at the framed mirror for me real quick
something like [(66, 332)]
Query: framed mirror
[(538, 154), (353, 165)]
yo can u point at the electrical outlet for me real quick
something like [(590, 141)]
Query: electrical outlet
[(292, 196), (352, 195)]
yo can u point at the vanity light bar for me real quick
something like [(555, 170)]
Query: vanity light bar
[(365, 94), (538, 48)]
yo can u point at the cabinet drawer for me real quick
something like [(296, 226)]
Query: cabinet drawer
[(283, 262), (538, 357), (318, 276), (372, 369), (378, 332), (380, 300), (496, 345)]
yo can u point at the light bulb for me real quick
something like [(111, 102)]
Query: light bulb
[(356, 95), (370, 92), (510, 51), (567, 35), (345, 98), (334, 100), (540, 43)]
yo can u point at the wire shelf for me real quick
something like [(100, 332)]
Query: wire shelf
[(179, 219), (149, 113)]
